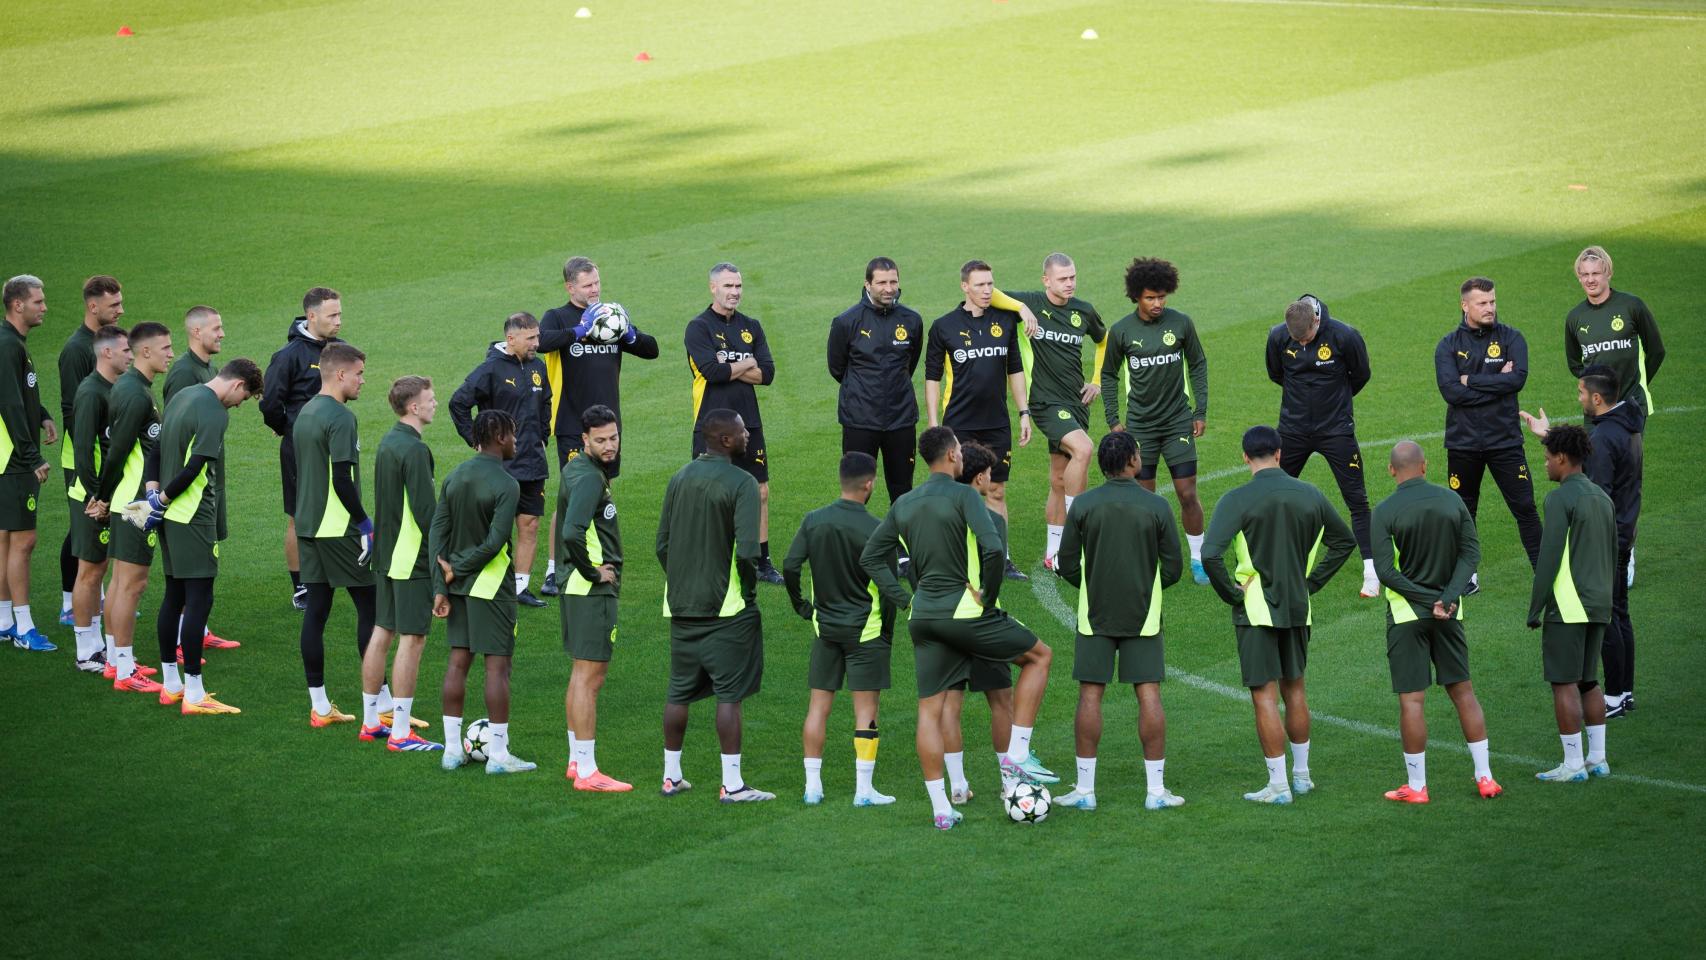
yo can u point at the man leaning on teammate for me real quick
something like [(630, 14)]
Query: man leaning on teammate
[(473, 585), (874, 347), (403, 502), (1053, 354), (707, 544), (24, 426), (957, 560), (1115, 536), (1155, 354), (591, 548), (512, 379), (89, 534), (1425, 549), (1275, 525), (852, 627), (103, 305)]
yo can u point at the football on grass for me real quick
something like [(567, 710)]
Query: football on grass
[(1027, 802), (476, 738)]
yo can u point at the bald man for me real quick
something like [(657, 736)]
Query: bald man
[(1425, 550)]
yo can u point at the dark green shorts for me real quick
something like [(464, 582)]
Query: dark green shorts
[(1057, 420), (18, 495), (589, 626), (188, 551), (1267, 654), (483, 626), (1140, 659), (403, 606), (1412, 648), (988, 675), (944, 651), (839, 655), (332, 561), (716, 655), (89, 538), (1569, 652), (1174, 446), (130, 544)]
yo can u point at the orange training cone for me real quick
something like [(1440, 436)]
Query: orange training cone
[(126, 32), (643, 57)]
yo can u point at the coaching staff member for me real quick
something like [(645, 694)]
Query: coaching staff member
[(874, 348), (1321, 363), (1480, 367)]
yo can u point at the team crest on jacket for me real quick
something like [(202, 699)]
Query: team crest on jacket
[(995, 329), (899, 332), (746, 336), (1494, 351), (1617, 323), (1077, 320), (1455, 483), (1325, 353), (1168, 338), (536, 380)]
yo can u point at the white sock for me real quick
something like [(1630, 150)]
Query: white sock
[(88, 642), (1069, 499), (814, 774), (64, 600), (169, 678), (862, 771), (521, 581), (550, 568), (1276, 771), (1019, 747), (112, 649), (498, 749), (731, 772), (21, 613), (1611, 701), (586, 761), (1416, 767), (1154, 770), (939, 805), (672, 764), (95, 621), (1478, 753), (1572, 749), (387, 703), (1368, 570), (1596, 743), (1300, 759), (1086, 775), (194, 692), (369, 709), (124, 662), (572, 742), (401, 707), (7, 621), (1054, 532), (453, 733), (322, 703), (956, 764), (1195, 540)]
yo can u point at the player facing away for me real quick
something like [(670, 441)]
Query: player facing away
[(1053, 353), (957, 559), (707, 545), (90, 448), (473, 585), (293, 378), (1274, 525), (512, 379), (1321, 364), (1155, 359), (874, 349), (204, 331), (591, 549), (1115, 536), (24, 426), (582, 373), (130, 470), (1614, 328), (729, 357), (852, 627), (103, 305), (1425, 550), (1571, 601), (187, 508), (971, 364), (404, 496)]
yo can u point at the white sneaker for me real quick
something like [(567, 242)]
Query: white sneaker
[(1078, 799), (453, 757), (1564, 773), (872, 799), (1165, 800), (961, 796), (1274, 793), (1301, 784), (745, 794), (509, 764)]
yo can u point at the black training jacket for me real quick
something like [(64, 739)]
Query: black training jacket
[(1482, 414), (1615, 464), (519, 389), (1319, 379), (873, 354), (292, 378)]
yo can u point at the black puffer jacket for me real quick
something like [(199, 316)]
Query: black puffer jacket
[(1481, 414), (873, 354), (1318, 378), (1615, 464), (519, 389), (292, 377)]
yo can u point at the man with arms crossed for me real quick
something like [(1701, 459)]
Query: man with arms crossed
[(24, 425)]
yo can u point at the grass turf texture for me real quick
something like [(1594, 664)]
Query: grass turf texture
[(437, 164)]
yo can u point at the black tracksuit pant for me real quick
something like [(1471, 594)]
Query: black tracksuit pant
[(1345, 458), (895, 448), (1509, 467), (1618, 650)]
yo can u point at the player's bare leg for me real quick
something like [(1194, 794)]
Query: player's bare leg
[(453, 694), (85, 607), (1271, 734), (953, 739), (581, 702), (1028, 692), (929, 741), (1069, 474), (813, 733)]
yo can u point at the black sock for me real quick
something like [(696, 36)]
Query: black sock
[(764, 550), (295, 580)]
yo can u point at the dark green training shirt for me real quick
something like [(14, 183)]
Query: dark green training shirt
[(324, 434), (589, 535), (76, 362), (708, 539), (1276, 526), (1054, 358), (403, 502), (1159, 368), (195, 424), (1622, 334), (1578, 555), (470, 530), (1120, 548), (945, 528), (133, 430), (830, 539), (186, 371), (20, 405), (1425, 549), (88, 443)]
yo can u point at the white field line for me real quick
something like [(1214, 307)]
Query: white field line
[(1447, 8)]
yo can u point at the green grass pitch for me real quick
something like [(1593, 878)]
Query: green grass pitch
[(437, 162)]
